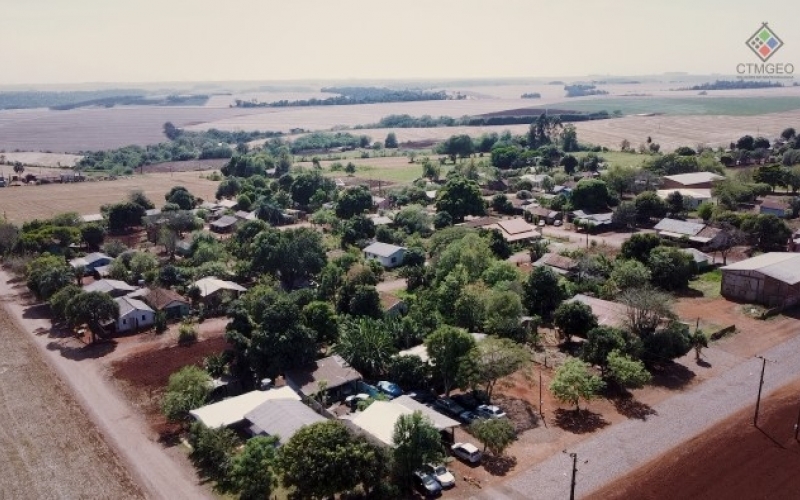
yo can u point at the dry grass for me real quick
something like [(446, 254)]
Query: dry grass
[(52, 160), (24, 203), (50, 447)]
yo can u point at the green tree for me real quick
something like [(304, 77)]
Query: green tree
[(675, 204), (391, 141), (353, 201), (600, 342), (350, 168), (570, 163), (294, 256), (766, 232), (457, 146), (626, 371), (122, 216), (670, 268), (93, 235), (705, 210), (93, 309), (322, 460), (320, 317), (492, 359), (366, 344), (48, 274), (574, 381), (627, 273), (496, 434), (503, 312), (447, 346), (460, 197), (252, 473), (591, 195), (357, 231), (574, 318), (639, 246), (139, 198), (416, 443), (650, 206), (668, 343), (181, 196), (60, 300), (542, 292), (212, 451), (187, 389), (772, 175), (625, 215)]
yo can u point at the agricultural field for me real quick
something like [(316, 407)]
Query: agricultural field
[(392, 169), (50, 447), (51, 160), (722, 106), (23, 203)]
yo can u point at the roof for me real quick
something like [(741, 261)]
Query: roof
[(773, 204), (422, 352), (439, 420), (210, 286), (89, 259), (162, 297), (608, 313), (539, 211), (557, 261), (697, 193), (381, 220), (694, 178), (383, 249), (481, 222), (698, 256), (92, 218), (225, 221), (380, 418), (389, 300), (128, 305), (679, 227), (108, 286), (705, 235), (333, 370), (282, 417), (782, 266), (227, 203), (232, 410), (153, 211), (241, 214), (515, 226), (599, 219)]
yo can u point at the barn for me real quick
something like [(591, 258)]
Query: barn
[(771, 279)]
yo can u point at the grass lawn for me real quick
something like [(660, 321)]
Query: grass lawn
[(618, 158), (733, 106), (708, 283)]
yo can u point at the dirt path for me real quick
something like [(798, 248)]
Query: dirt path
[(623, 447), (758, 462), (162, 473), (50, 448)]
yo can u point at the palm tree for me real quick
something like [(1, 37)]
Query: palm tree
[(365, 343)]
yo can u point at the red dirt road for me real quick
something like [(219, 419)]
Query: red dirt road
[(733, 460)]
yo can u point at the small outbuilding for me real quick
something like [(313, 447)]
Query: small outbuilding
[(771, 279), (134, 315), (232, 411), (379, 419), (115, 288), (388, 255), (337, 376), (169, 301), (693, 180), (224, 224), (91, 261), (281, 418)]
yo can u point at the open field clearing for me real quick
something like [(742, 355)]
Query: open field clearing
[(53, 160), (731, 460), (98, 128), (734, 106), (50, 448), (25, 203), (675, 131)]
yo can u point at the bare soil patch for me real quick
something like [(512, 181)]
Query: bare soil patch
[(185, 166), (732, 460), (50, 447)]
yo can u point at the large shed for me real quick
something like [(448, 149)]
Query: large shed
[(771, 279)]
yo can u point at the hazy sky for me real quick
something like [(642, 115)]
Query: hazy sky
[(71, 41)]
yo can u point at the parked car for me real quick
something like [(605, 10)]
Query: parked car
[(423, 396), (390, 388), (442, 475), (557, 222), (427, 484), (468, 401), (448, 406), (490, 411), (468, 416), (352, 401), (467, 452)]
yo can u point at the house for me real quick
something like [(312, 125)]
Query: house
[(702, 261), (242, 215), (378, 420), (773, 206), (558, 263), (694, 180), (212, 286), (227, 204), (516, 229), (115, 288), (91, 261), (598, 221), (169, 301), (281, 418), (391, 304), (691, 231), (133, 315), (337, 376), (92, 218), (224, 224), (480, 222), (231, 412), (692, 198), (380, 220), (608, 313), (539, 213), (388, 255), (771, 279)]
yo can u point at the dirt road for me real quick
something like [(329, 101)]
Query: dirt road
[(50, 448), (161, 473), (758, 462)]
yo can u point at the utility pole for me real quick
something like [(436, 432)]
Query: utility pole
[(574, 457), (760, 386), (797, 426)]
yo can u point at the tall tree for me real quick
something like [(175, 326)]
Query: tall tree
[(353, 201), (492, 359), (416, 443), (496, 434), (447, 346), (460, 197), (542, 292), (366, 344), (573, 381), (187, 389), (252, 474), (93, 309)]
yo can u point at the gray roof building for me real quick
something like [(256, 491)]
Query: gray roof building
[(281, 418)]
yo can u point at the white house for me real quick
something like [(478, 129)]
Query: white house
[(388, 255), (133, 315)]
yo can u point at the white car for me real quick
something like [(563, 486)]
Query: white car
[(557, 222), (467, 452), (444, 476), (490, 411)]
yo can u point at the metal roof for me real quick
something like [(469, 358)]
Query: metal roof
[(282, 418), (128, 305), (232, 410), (209, 286), (383, 249), (782, 266), (694, 178), (108, 286), (680, 227), (333, 370), (608, 313)]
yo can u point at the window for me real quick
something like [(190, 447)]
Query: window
[(143, 317), (394, 259), (124, 321)]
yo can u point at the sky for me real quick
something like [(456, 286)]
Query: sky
[(76, 41)]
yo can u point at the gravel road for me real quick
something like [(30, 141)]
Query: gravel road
[(161, 473), (623, 447)]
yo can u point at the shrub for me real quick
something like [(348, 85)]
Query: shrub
[(187, 334)]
